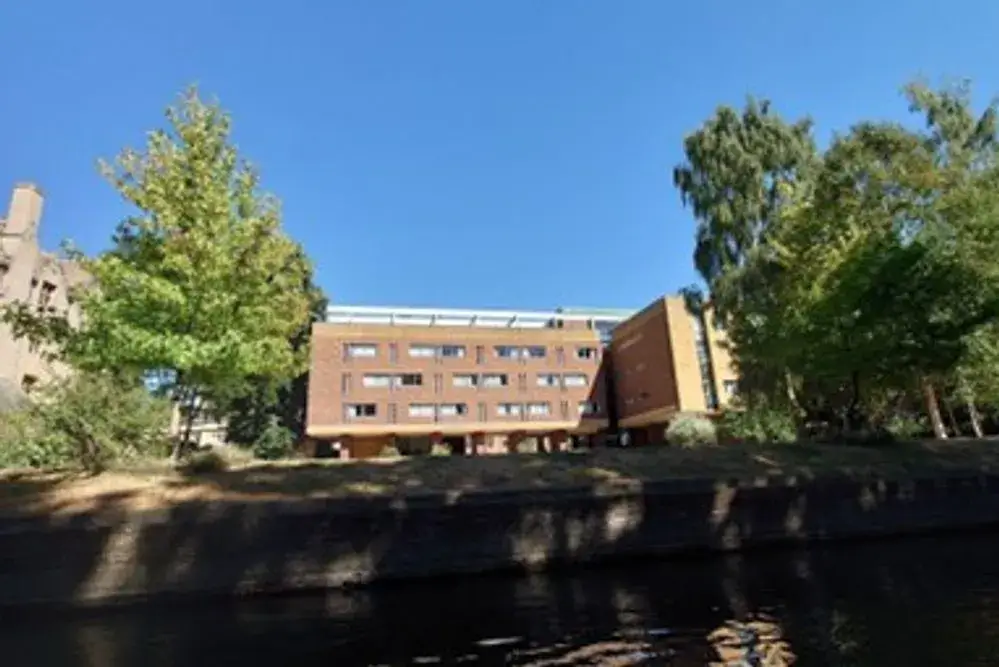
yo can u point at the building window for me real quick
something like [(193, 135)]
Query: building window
[(731, 388), (480, 354), (535, 352), (507, 352), (586, 353), (538, 409), (453, 351), (360, 410), (508, 409), (378, 381), (409, 380), (547, 380), (359, 350), (588, 408), (494, 380), (575, 380), (423, 351), (422, 410), (452, 410), (28, 383), (465, 380), (46, 294)]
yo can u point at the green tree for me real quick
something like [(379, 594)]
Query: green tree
[(263, 401), (201, 282), (868, 271)]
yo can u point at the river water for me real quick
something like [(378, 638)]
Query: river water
[(915, 601)]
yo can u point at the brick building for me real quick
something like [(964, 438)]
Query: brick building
[(484, 380)]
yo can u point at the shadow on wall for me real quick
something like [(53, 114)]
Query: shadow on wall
[(833, 606), (237, 548)]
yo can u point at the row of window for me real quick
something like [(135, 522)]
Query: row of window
[(466, 380), (452, 410), (425, 351)]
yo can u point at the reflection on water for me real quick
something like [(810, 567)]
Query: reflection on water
[(910, 602)]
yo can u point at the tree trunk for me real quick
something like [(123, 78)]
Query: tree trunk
[(933, 410), (976, 419), (954, 426), (969, 402)]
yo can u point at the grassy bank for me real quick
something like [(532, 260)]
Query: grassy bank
[(157, 485)]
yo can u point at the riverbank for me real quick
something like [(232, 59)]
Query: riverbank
[(157, 486), (277, 528)]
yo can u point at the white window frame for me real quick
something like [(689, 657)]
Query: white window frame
[(377, 380), (397, 380), (362, 350), (575, 380), (539, 409), (421, 350), (503, 380), (422, 410), (459, 409), (509, 409), (472, 380), (547, 380), (351, 410)]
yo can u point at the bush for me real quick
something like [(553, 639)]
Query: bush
[(389, 452), (275, 442), (692, 432), (204, 462), (905, 427), (758, 425), (440, 450), (87, 420)]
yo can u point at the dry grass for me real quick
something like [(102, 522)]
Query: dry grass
[(158, 485)]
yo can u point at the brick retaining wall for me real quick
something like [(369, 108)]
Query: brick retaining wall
[(234, 549)]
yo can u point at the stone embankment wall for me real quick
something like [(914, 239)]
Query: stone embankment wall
[(237, 549)]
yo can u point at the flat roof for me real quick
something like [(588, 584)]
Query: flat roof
[(480, 317)]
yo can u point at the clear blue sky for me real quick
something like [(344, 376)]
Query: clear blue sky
[(509, 153)]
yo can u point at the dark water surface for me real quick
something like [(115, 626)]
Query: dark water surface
[(916, 601)]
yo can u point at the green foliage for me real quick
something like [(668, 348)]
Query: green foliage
[(252, 407), (88, 421), (275, 442), (863, 272), (200, 281), (204, 462), (389, 452), (758, 425), (904, 426), (692, 432), (440, 450)]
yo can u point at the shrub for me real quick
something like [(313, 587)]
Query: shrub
[(86, 420), (275, 442), (389, 452), (204, 462), (758, 425), (440, 450), (905, 427), (692, 432)]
